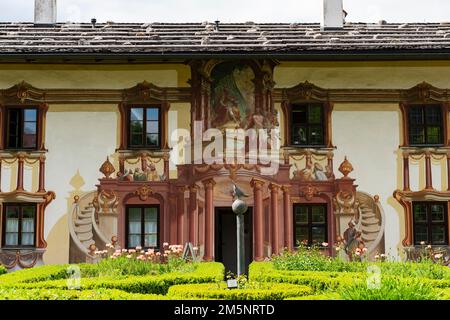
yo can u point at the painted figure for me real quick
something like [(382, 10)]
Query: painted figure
[(319, 174)]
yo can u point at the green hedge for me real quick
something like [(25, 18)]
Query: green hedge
[(2, 270), (60, 294), (329, 296), (152, 284), (275, 291), (317, 280)]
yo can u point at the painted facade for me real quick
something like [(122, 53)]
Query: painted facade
[(364, 172)]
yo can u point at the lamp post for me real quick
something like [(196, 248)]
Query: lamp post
[(239, 207)]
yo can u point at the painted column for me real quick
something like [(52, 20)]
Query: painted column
[(209, 220), (20, 158), (180, 215), (41, 174), (274, 188), (406, 172), (287, 208), (193, 215), (258, 218), (330, 162), (429, 180), (166, 158)]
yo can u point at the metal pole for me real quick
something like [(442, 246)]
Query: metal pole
[(240, 244)]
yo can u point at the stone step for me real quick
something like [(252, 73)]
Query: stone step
[(369, 237), (370, 221), (79, 222), (83, 228), (84, 236), (371, 229)]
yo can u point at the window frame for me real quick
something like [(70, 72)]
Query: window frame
[(158, 230), (20, 205), (308, 125), (144, 134), (429, 224), (425, 125), (310, 224), (6, 126)]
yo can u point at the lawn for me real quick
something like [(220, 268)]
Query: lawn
[(304, 275)]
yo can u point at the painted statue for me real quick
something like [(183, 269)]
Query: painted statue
[(312, 171)]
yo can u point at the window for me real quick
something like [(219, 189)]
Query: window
[(142, 226), (19, 223), (425, 125), (144, 127), (310, 224), (307, 125), (21, 128), (430, 223)]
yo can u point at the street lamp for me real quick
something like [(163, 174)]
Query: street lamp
[(239, 207)]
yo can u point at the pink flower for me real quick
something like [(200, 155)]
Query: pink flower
[(438, 255), (151, 251), (195, 248), (132, 251), (165, 244), (158, 253), (118, 251), (358, 250), (324, 244), (138, 248), (124, 250), (129, 256), (364, 250), (358, 253)]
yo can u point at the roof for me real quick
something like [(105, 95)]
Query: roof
[(204, 38)]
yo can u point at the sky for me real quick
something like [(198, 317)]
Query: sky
[(229, 10)]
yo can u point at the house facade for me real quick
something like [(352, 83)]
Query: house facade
[(136, 133)]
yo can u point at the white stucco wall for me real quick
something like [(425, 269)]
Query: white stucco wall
[(77, 143), (370, 140)]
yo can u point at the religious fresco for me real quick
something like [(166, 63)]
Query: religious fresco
[(233, 97)]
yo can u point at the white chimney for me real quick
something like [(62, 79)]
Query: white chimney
[(333, 14), (44, 12)]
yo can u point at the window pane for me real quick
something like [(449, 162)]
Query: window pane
[(134, 240), (134, 214), (29, 140), (152, 114), (30, 115), (433, 115), (417, 135), (152, 127), (28, 225), (299, 134), (438, 235), (134, 227), (437, 213), (29, 128), (420, 213), (137, 114), (420, 233), (12, 212), (27, 239), (416, 116), (315, 114), (299, 115), (12, 225), (301, 214), (434, 135), (315, 135), (136, 140), (318, 214), (11, 239), (301, 234), (150, 240), (152, 139), (318, 234), (150, 214), (137, 126)]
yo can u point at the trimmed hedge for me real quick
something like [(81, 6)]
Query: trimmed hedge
[(273, 291), (329, 296), (2, 270), (60, 294), (152, 284), (317, 280)]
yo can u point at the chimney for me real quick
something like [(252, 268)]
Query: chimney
[(45, 12), (333, 14)]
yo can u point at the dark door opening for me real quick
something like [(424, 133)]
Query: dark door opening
[(225, 238)]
